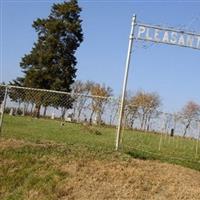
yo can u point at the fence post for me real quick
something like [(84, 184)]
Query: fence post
[(162, 131), (3, 108), (197, 143)]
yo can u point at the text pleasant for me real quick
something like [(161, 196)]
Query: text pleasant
[(168, 37)]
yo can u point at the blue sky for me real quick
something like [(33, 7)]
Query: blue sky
[(173, 72)]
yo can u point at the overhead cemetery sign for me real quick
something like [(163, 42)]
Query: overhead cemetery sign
[(156, 34), (168, 36)]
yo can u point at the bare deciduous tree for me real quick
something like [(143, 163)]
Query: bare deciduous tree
[(113, 109), (146, 105), (98, 104), (80, 101), (190, 112), (131, 111)]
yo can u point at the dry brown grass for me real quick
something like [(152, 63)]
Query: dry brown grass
[(129, 180), (11, 143), (104, 179)]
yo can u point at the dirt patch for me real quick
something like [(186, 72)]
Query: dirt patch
[(128, 180)]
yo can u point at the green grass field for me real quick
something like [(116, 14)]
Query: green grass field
[(135, 143), (31, 151)]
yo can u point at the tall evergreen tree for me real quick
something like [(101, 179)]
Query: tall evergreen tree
[(2, 92), (51, 62)]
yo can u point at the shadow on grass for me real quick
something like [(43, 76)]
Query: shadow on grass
[(141, 155), (193, 164)]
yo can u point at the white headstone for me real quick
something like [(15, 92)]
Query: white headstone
[(11, 112), (53, 115)]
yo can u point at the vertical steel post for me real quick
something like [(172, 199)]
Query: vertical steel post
[(121, 113), (197, 143), (162, 132), (3, 108)]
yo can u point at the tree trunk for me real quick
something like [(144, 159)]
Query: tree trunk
[(31, 111), (91, 116), (79, 114), (145, 123), (26, 105), (63, 112), (142, 122), (24, 111), (126, 121), (99, 116), (18, 108), (132, 122), (186, 128), (148, 123), (45, 111), (74, 110), (37, 110)]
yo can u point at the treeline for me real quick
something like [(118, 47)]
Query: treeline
[(141, 107), (95, 103)]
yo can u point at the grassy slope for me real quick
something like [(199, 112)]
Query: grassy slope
[(31, 166), (136, 144)]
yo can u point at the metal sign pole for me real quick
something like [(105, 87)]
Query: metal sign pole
[(197, 142), (121, 113), (3, 108)]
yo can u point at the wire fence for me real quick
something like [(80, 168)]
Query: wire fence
[(165, 134), (65, 106)]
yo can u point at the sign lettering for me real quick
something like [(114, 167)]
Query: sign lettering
[(167, 36)]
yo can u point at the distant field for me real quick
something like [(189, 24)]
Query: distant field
[(40, 159)]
